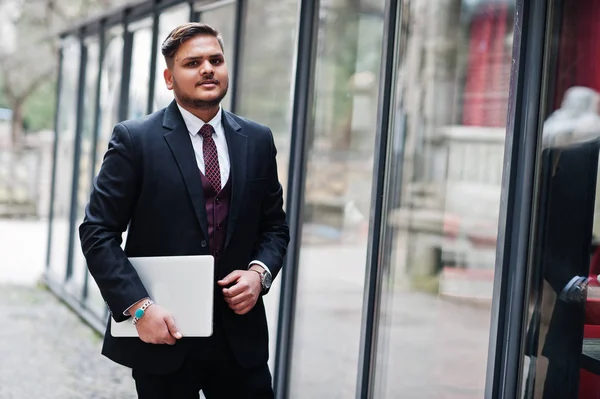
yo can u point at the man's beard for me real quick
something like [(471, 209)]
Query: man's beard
[(197, 103)]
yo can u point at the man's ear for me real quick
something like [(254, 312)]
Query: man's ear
[(168, 78)]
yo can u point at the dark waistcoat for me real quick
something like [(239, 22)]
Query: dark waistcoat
[(217, 213)]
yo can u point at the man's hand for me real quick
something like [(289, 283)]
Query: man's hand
[(242, 296), (157, 326)]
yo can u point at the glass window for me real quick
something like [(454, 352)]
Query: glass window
[(63, 183), (443, 180), (167, 22), (267, 71), (110, 89), (75, 284), (337, 200), (563, 324), (223, 19), (264, 86), (140, 68)]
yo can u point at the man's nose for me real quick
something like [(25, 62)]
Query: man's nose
[(207, 68)]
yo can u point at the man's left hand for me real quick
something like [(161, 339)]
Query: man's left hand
[(242, 296)]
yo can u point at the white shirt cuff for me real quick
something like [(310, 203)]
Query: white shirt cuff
[(257, 262), (126, 311)]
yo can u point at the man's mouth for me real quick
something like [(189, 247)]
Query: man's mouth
[(208, 82)]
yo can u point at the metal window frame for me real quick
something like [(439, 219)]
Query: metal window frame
[(54, 156), (240, 28), (76, 154), (505, 348), (123, 107), (301, 117), (95, 132), (153, 61), (374, 274)]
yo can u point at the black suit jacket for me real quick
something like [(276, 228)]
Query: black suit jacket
[(150, 183)]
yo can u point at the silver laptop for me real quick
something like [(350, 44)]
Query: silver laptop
[(183, 285)]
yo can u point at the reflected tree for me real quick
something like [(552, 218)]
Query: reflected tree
[(29, 48)]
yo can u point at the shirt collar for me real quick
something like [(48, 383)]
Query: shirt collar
[(193, 123)]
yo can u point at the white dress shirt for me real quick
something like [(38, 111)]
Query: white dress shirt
[(193, 124)]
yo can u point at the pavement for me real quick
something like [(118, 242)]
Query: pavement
[(430, 347), (46, 351)]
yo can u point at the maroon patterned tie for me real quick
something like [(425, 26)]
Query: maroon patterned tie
[(211, 157)]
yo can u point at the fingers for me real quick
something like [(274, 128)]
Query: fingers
[(173, 330), (158, 327), (230, 278), (241, 287), (236, 300), (162, 337), (241, 305)]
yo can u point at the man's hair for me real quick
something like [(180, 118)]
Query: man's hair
[(185, 32)]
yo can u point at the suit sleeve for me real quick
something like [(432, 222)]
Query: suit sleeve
[(274, 234), (107, 215)]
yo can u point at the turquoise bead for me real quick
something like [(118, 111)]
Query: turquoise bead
[(139, 313)]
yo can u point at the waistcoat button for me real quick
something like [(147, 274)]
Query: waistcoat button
[(203, 244)]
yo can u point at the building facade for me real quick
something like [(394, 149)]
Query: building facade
[(410, 149)]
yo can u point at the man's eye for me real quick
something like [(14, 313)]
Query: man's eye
[(217, 61), (193, 63)]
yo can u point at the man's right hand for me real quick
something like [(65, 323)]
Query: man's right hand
[(157, 326)]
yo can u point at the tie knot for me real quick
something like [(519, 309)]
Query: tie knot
[(207, 130)]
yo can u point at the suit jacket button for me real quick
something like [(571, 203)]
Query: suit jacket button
[(203, 243)]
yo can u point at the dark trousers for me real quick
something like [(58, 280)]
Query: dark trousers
[(211, 368)]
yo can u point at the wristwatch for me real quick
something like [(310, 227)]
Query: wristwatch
[(265, 279)]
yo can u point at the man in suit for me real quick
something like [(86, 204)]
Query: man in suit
[(190, 179)]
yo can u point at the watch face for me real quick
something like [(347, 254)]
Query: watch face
[(267, 280)]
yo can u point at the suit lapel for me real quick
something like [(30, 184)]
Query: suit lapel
[(238, 153), (178, 140)]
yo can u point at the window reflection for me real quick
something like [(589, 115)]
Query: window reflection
[(67, 106), (266, 71), (110, 89), (443, 200), (337, 196), (140, 68), (168, 20), (563, 325)]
